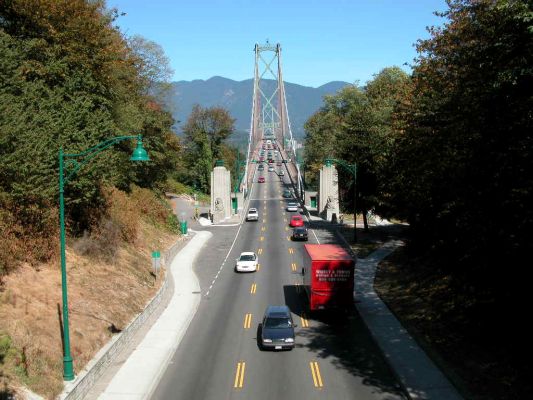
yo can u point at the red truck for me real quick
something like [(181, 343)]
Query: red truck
[(328, 276)]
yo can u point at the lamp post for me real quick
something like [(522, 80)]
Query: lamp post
[(238, 179), (352, 169), (71, 164)]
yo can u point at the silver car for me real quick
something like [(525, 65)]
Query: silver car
[(292, 207), (252, 215)]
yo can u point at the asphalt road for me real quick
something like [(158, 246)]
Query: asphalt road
[(219, 357)]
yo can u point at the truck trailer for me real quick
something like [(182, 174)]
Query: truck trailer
[(328, 276)]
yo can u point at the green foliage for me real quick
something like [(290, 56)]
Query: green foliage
[(355, 126), (173, 223), (69, 79), (448, 149), (12, 360), (205, 131), (462, 172)]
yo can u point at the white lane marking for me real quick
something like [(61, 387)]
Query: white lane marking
[(225, 259), (312, 230)]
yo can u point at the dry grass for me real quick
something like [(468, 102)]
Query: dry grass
[(106, 290)]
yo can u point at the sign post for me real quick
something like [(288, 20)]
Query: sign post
[(156, 262)]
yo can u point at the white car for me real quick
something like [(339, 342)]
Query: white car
[(252, 215), (292, 207), (247, 262), (270, 169), (281, 173)]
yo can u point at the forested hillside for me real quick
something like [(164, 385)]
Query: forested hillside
[(236, 97), (448, 149), (69, 79)]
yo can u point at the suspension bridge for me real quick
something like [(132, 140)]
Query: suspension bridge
[(270, 117)]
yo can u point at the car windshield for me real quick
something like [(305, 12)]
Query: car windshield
[(247, 257), (252, 211), (278, 323), (300, 230)]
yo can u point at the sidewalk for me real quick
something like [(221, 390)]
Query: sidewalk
[(141, 372), (420, 377)]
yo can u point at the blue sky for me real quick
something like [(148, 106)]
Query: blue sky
[(321, 40)]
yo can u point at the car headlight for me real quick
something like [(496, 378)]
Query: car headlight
[(267, 340), (289, 340)]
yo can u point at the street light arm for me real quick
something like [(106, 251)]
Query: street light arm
[(351, 168), (72, 165)]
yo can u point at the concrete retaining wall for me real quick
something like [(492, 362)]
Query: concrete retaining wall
[(85, 380)]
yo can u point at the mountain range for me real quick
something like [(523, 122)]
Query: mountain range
[(236, 97)]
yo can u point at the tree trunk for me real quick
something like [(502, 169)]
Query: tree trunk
[(365, 219)]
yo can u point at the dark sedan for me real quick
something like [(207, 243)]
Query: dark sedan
[(277, 329), (300, 234)]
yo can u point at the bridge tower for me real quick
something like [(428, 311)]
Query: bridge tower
[(270, 117)]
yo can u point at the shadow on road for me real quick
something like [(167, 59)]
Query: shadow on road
[(343, 338)]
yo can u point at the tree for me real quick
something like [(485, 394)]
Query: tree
[(355, 126), (205, 131), (70, 80), (462, 167)]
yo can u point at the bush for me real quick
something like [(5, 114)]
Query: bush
[(173, 186), (29, 234), (120, 220)]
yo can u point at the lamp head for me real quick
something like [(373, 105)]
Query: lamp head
[(140, 154)]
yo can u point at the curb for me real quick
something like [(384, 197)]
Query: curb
[(139, 374), (444, 389)]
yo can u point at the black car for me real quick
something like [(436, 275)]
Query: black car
[(300, 233), (277, 329)]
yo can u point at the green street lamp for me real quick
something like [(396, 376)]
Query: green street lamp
[(69, 165), (352, 169), (238, 180)]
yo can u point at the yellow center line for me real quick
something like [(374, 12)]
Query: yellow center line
[(259, 251), (286, 228), (315, 371), (253, 289), (293, 266), (304, 320), (239, 375), (262, 238), (263, 228), (291, 250), (288, 238), (247, 321)]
